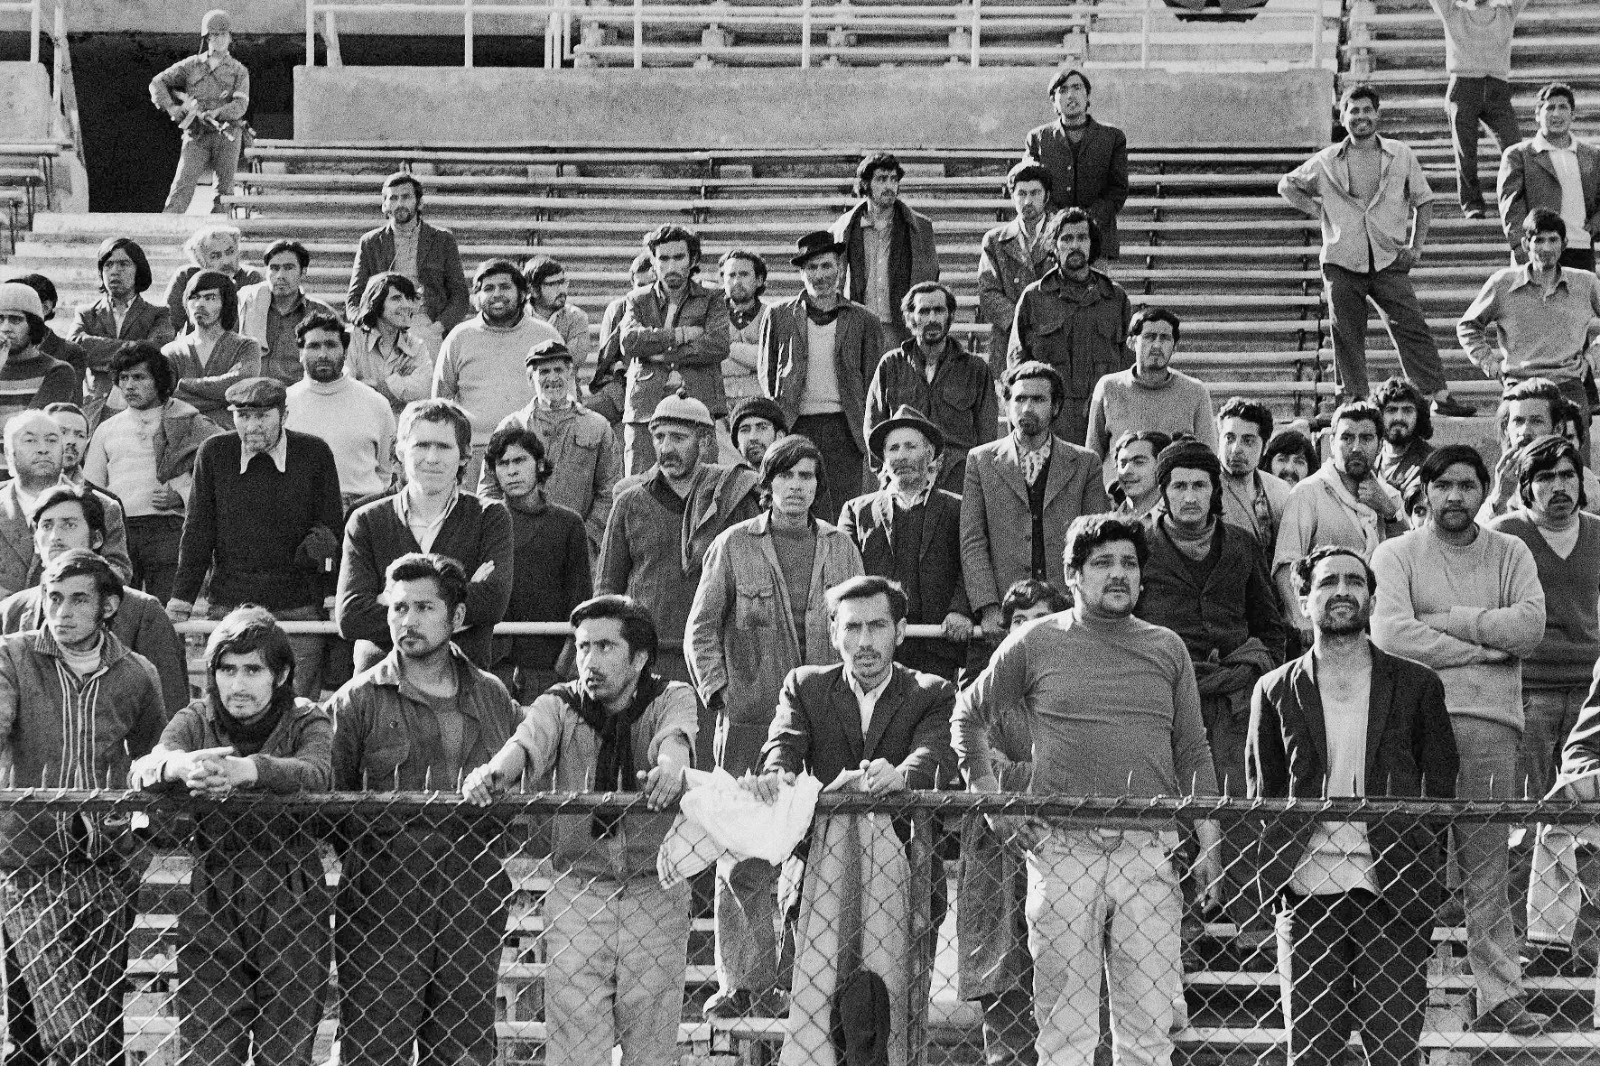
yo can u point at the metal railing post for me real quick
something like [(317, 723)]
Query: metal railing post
[(805, 34), (638, 34), (311, 33), (58, 77), (1144, 37), (977, 23), (1316, 34), (466, 31), (35, 26)]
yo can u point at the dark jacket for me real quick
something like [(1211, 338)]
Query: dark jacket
[(94, 329), (784, 356), (1528, 180), (1079, 330), (550, 578), (913, 256), (960, 400), (817, 726), (444, 287), (1095, 177), (646, 343), (475, 532), (1006, 266), (1411, 752), (869, 521), (1215, 606)]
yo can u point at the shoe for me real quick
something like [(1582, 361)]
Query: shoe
[(1451, 407), (1475, 211), (724, 1003), (1511, 1016)]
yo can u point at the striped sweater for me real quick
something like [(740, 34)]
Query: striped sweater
[(33, 379)]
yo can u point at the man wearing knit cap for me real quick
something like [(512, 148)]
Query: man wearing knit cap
[(213, 355), (264, 518), (480, 365), (121, 314), (1466, 602), (207, 96), (28, 377), (663, 522), (579, 443), (755, 425), (350, 416), (910, 531), (818, 354)]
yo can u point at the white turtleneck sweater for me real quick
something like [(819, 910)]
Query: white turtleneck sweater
[(358, 425)]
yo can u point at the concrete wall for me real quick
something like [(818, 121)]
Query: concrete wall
[(24, 102), (826, 108)]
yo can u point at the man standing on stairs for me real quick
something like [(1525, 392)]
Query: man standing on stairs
[(1477, 56), (424, 253), (1087, 160), (888, 246), (207, 96), (1554, 170), (1367, 191), (1015, 254)]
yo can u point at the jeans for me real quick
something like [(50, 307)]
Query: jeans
[(746, 916), (1471, 102), (1488, 771), (153, 548), (1549, 715), (1349, 962), (1105, 901), (1391, 290)]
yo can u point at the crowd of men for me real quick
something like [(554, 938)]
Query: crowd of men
[(1137, 592)]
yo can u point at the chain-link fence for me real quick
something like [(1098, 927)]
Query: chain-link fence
[(907, 929)]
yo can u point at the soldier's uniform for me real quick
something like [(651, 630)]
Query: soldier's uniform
[(221, 89)]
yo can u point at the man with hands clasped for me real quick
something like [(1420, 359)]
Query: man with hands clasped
[(616, 939)]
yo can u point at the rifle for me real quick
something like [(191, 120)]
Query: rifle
[(193, 114)]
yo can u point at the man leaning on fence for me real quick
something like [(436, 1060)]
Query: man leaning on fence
[(1113, 710), (1358, 898), (422, 906), (616, 939), (75, 707), (254, 938)]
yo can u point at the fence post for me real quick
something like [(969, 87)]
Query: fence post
[(1144, 37), (466, 30), (34, 27), (58, 57), (638, 34), (311, 34), (1316, 34), (805, 34)]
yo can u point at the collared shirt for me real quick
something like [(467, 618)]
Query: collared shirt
[(915, 500), (1564, 161), (1540, 335), (280, 356), (278, 453), (405, 249), (119, 312), (876, 238), (867, 700), (1363, 237), (425, 532)]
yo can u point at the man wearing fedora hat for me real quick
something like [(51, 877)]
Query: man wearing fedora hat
[(207, 96), (264, 518), (818, 354), (933, 373), (580, 444), (910, 531)]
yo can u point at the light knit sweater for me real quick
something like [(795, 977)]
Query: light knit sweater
[(1122, 403), (358, 425), (480, 367), (1445, 606)]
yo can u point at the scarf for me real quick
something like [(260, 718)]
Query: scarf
[(1195, 545), (248, 738), (818, 316), (614, 769)]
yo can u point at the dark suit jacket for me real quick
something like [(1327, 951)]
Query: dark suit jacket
[(997, 527), (1411, 751), (1528, 180), (913, 255), (869, 521), (444, 287), (1006, 266), (818, 726), (784, 355), (94, 329), (1095, 177)]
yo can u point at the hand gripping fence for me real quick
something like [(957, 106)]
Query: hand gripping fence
[(552, 926)]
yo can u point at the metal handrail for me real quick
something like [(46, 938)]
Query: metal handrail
[(202, 627), (974, 19)]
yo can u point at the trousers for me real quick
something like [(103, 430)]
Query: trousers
[(202, 152), (1396, 298), (1472, 102)]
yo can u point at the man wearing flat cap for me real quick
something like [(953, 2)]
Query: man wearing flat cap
[(818, 354), (663, 523), (579, 443), (213, 355), (910, 532), (207, 96), (264, 517), (755, 424), (28, 377), (933, 373)]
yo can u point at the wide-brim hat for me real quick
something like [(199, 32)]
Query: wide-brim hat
[(906, 417), (814, 244)]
